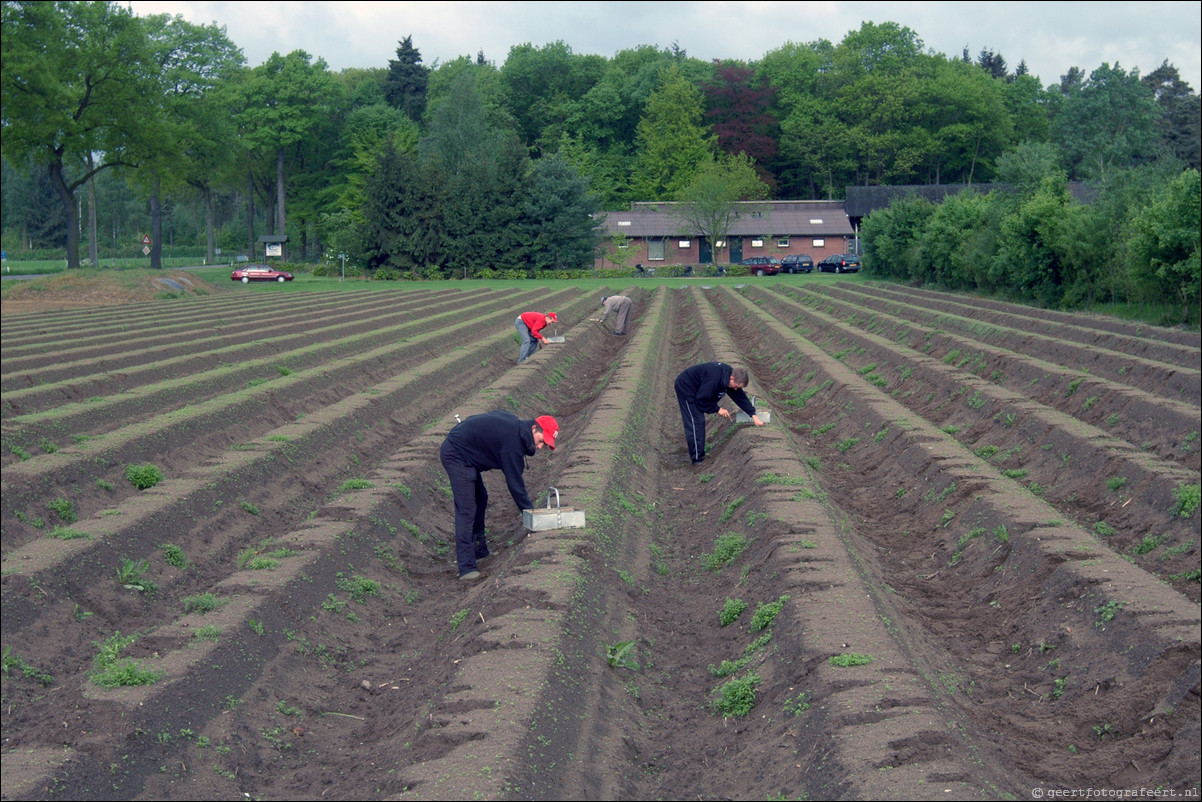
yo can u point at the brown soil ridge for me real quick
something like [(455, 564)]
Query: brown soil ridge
[(359, 667)]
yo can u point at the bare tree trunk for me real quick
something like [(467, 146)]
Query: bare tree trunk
[(210, 234), (975, 152), (279, 203), (67, 196), (250, 214), (93, 234), (156, 224)]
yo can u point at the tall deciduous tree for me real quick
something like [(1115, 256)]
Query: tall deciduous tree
[(74, 78), (280, 102), (365, 130), (594, 140), (881, 48), (1027, 107), (190, 142), (1166, 239), (460, 126), (878, 84), (599, 130), (709, 205), (407, 80), (816, 155), (1107, 123), (739, 112), (540, 86), (966, 112), (888, 111), (672, 142)]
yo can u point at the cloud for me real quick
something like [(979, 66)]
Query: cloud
[(1050, 36)]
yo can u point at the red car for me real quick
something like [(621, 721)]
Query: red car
[(762, 265), (249, 273)]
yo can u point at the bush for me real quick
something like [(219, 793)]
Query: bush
[(110, 670), (64, 508), (766, 613), (726, 549), (1189, 497), (850, 659), (737, 697), (144, 475), (732, 610), (202, 603)]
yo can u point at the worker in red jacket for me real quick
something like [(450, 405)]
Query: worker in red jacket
[(530, 326)]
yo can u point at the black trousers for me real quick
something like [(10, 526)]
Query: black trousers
[(471, 501), (694, 426)]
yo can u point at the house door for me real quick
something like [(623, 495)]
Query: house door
[(736, 250), (705, 251)]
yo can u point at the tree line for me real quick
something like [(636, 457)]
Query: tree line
[(1134, 241), (114, 123)]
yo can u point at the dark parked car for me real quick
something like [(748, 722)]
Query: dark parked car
[(797, 263), (248, 273), (840, 263), (762, 265)]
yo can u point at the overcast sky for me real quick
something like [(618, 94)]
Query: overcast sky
[(1050, 36)]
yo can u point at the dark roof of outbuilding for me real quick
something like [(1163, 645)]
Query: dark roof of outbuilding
[(764, 219), (862, 201)]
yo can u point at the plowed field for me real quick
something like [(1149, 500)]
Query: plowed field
[(960, 562)]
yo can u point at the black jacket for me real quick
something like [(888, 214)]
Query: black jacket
[(497, 439), (705, 384)]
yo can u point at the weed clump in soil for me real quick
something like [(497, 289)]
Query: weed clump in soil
[(143, 476)]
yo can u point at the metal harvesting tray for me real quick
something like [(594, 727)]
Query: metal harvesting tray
[(557, 517)]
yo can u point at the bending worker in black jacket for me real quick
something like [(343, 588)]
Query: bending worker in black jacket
[(497, 439), (698, 390)]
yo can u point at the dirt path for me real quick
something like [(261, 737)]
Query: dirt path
[(936, 571)]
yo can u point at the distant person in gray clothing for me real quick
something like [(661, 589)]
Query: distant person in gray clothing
[(619, 306)]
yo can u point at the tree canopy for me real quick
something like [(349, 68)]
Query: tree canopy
[(505, 166)]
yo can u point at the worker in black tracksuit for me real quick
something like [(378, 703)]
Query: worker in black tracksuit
[(491, 440), (698, 390)]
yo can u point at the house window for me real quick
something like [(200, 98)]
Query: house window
[(819, 243), (684, 243), (623, 222), (757, 243), (782, 242), (815, 221), (624, 243), (655, 250)]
